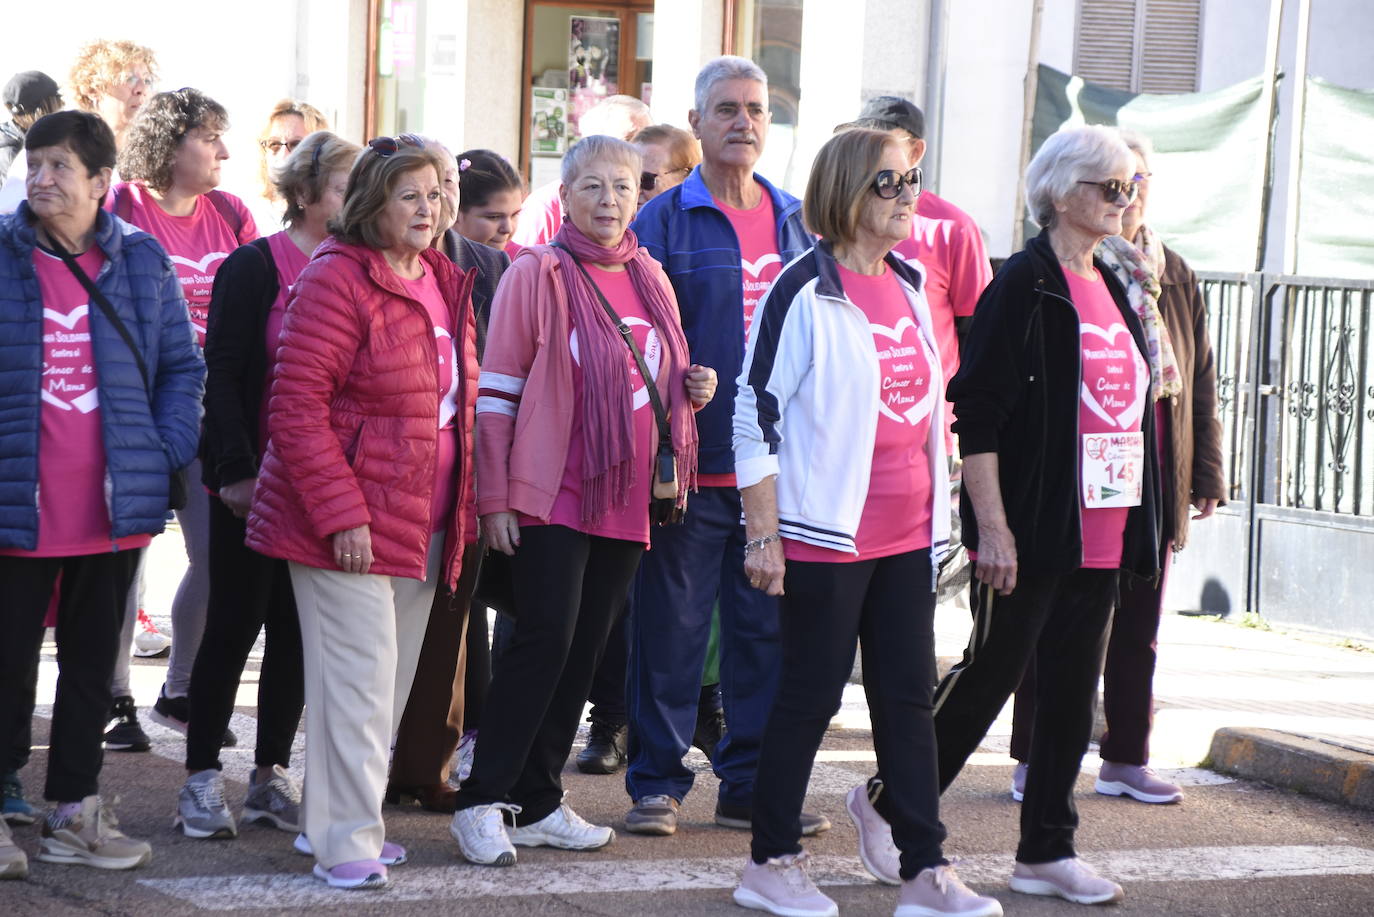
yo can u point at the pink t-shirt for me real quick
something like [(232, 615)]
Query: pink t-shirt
[(290, 261), (512, 249), (934, 207), (628, 521), (1112, 401), (760, 264), (541, 216), (426, 291), (197, 244), (73, 515), (896, 516)]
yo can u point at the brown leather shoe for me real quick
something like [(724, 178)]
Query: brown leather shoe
[(432, 797)]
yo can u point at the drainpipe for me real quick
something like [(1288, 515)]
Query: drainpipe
[(936, 56)]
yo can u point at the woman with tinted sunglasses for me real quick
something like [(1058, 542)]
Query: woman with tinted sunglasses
[(843, 364), (1053, 405)]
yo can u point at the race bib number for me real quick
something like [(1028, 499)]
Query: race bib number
[(1113, 466)]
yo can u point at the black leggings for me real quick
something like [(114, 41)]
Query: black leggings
[(887, 606), (569, 590), (247, 591)]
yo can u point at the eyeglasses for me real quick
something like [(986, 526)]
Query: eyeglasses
[(387, 146), (275, 146), (648, 181), (1113, 188), (135, 80), (888, 183), (1141, 177)]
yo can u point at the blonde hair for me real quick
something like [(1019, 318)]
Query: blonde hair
[(841, 177), (684, 151), (370, 184), (102, 63), (303, 178), (314, 120)]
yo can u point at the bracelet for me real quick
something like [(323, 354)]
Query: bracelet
[(758, 544)]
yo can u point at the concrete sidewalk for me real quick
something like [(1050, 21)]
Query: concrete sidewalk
[(1293, 710)]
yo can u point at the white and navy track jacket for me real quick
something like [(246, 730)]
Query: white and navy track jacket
[(807, 405)]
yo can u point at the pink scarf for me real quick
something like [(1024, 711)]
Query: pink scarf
[(609, 463)]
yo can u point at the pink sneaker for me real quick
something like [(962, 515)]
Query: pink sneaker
[(939, 892), (879, 855), (1137, 782), (781, 886), (1069, 878), (355, 876)]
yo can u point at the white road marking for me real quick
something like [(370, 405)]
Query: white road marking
[(582, 876)]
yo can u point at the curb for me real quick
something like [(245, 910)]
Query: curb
[(1295, 762)]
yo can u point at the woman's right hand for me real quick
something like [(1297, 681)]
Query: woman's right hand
[(238, 496), (765, 568), (502, 531), (996, 564)]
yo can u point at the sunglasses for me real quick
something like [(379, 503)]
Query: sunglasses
[(387, 146), (275, 146), (888, 183), (648, 181), (1113, 188)]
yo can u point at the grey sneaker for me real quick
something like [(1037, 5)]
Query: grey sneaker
[(562, 828), (733, 815), (14, 864), (91, 838), (1137, 782), (782, 886), (938, 891), (201, 810), (1018, 781), (276, 802), (653, 815), (481, 834), (1069, 878)]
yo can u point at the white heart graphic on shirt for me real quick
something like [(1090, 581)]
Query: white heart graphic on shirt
[(203, 264), (1131, 414), (85, 402), (69, 320), (754, 267), (448, 405), (921, 409), (653, 357)]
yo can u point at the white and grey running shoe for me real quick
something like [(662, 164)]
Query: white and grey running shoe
[(481, 834), (201, 810), (276, 802)]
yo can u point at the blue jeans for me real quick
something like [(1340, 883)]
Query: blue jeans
[(679, 580)]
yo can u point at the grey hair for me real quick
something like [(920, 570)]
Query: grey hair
[(1139, 144), (600, 118), (725, 67), (598, 147), (1071, 155)]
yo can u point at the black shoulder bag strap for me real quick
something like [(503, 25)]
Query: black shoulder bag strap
[(665, 431)]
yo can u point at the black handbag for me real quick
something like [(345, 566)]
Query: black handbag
[(178, 483), (664, 506)]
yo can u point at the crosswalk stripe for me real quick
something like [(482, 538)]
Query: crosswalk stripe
[(580, 875)]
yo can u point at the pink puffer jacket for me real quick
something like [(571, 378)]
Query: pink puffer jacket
[(354, 415)]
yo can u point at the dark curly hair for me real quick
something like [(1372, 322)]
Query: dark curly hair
[(151, 143)]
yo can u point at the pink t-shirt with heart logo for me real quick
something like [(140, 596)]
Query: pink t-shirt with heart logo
[(628, 521), (73, 516), (896, 514), (425, 289), (1112, 401)]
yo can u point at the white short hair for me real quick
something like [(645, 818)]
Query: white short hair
[(619, 116), (1139, 144), (726, 67), (1069, 156), (598, 147)]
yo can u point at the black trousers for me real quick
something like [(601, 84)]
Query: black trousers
[(1062, 621), (569, 590), (89, 616), (607, 695), (477, 674), (248, 591), (886, 606)]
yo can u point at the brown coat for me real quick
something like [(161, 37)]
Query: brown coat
[(1196, 470)]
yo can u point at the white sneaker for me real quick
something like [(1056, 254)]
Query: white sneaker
[(782, 886), (562, 828), (148, 640), (876, 849), (481, 834)]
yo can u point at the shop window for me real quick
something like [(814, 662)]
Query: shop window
[(769, 32)]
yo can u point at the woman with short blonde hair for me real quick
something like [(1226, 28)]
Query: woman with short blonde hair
[(113, 79), (288, 123)]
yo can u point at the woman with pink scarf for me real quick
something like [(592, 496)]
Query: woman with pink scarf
[(573, 446)]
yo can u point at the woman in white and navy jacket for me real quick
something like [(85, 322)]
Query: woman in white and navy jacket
[(840, 460)]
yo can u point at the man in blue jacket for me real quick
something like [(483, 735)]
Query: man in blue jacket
[(722, 236), (100, 395)]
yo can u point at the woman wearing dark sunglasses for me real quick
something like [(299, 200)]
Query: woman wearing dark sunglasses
[(1053, 411), (366, 486), (840, 458)]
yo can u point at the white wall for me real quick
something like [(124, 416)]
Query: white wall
[(494, 86), (687, 33)]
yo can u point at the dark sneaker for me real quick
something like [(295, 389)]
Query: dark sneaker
[(732, 815), (276, 802), (17, 810), (125, 734), (605, 751), (710, 729), (175, 713), (653, 815)]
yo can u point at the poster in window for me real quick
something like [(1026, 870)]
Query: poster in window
[(549, 128), (593, 61)]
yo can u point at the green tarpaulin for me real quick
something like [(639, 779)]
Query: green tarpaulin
[(1336, 191)]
